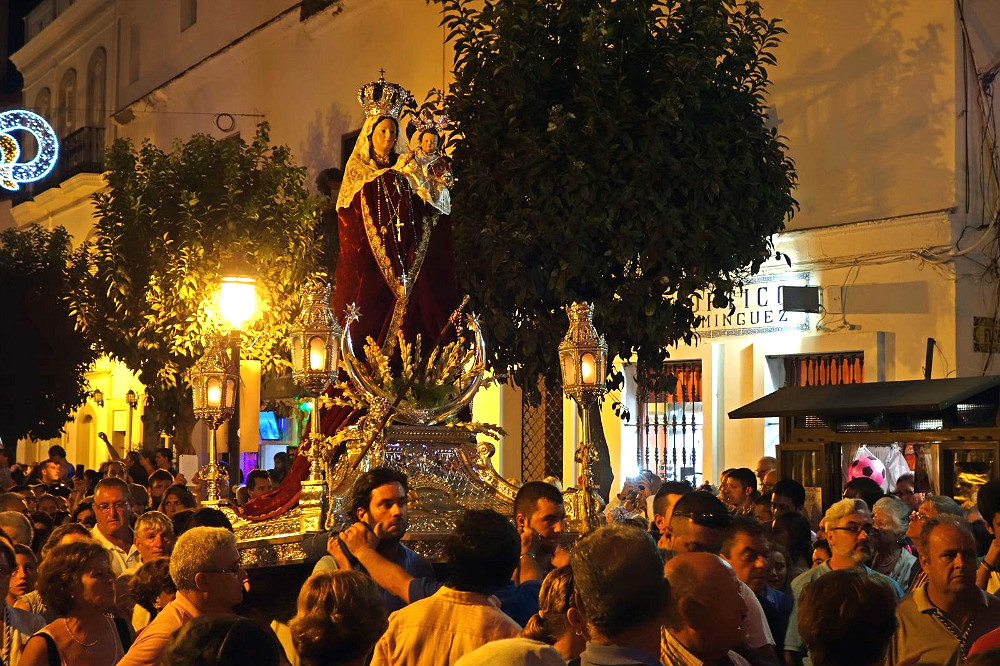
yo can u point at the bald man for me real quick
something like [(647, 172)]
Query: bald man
[(705, 612)]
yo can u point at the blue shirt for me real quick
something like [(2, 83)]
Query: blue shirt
[(413, 563), (519, 602), (793, 641)]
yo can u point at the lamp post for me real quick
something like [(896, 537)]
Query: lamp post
[(213, 386), (583, 363), (237, 302), (130, 399), (315, 339)]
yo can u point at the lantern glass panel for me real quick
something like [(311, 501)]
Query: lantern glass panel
[(569, 371), (237, 300), (213, 391), (298, 364), (230, 392), (588, 368), (317, 353)]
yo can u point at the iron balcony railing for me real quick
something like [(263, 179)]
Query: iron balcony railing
[(82, 151)]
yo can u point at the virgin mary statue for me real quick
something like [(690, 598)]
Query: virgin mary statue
[(396, 258)]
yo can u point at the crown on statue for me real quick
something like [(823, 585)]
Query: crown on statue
[(426, 120), (382, 98)]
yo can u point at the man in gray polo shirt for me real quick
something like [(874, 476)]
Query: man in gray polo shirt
[(849, 526), (941, 619)]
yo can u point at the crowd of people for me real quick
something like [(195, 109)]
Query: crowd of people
[(122, 566)]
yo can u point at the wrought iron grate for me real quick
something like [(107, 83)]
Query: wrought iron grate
[(542, 436)]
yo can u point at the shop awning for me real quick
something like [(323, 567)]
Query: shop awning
[(926, 395)]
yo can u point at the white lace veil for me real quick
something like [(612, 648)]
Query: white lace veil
[(360, 167)]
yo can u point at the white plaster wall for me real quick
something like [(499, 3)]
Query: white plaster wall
[(865, 94)]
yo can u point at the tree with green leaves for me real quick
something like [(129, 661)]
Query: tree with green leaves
[(43, 357), (168, 225), (611, 151)]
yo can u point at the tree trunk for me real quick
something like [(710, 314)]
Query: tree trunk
[(604, 475), (184, 429)]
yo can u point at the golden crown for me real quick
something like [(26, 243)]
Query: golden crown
[(382, 98)]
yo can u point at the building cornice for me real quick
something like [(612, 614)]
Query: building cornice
[(72, 192), (74, 28)]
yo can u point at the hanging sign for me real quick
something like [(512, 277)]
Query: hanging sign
[(12, 172), (758, 309)]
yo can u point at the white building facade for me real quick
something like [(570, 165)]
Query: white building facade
[(880, 103)]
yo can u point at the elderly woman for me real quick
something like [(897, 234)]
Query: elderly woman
[(78, 584), (891, 518), (932, 506)]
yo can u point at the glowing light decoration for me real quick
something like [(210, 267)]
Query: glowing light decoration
[(12, 172)]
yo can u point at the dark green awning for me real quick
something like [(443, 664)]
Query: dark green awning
[(925, 395)]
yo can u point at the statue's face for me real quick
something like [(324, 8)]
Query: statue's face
[(384, 136), (428, 142)]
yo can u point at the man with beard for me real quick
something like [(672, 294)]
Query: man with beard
[(539, 516), (849, 529), (941, 619), (378, 509)]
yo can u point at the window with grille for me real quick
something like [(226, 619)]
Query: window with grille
[(809, 370), (542, 436), (671, 426)]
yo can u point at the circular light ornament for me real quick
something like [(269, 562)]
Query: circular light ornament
[(12, 172)]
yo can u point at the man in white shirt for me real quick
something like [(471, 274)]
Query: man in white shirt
[(112, 509)]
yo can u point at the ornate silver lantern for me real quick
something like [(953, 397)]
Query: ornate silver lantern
[(315, 339), (213, 383), (583, 362)]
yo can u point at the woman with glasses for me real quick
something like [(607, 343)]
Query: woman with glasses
[(891, 518), (78, 585)]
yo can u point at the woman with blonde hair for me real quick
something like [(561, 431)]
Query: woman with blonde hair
[(340, 617), (548, 637)]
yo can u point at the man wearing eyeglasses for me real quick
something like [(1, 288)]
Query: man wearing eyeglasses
[(112, 510), (849, 528), (205, 567)]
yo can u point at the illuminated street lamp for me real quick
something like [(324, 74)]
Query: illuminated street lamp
[(315, 339), (583, 362), (213, 385), (131, 400), (237, 302)]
